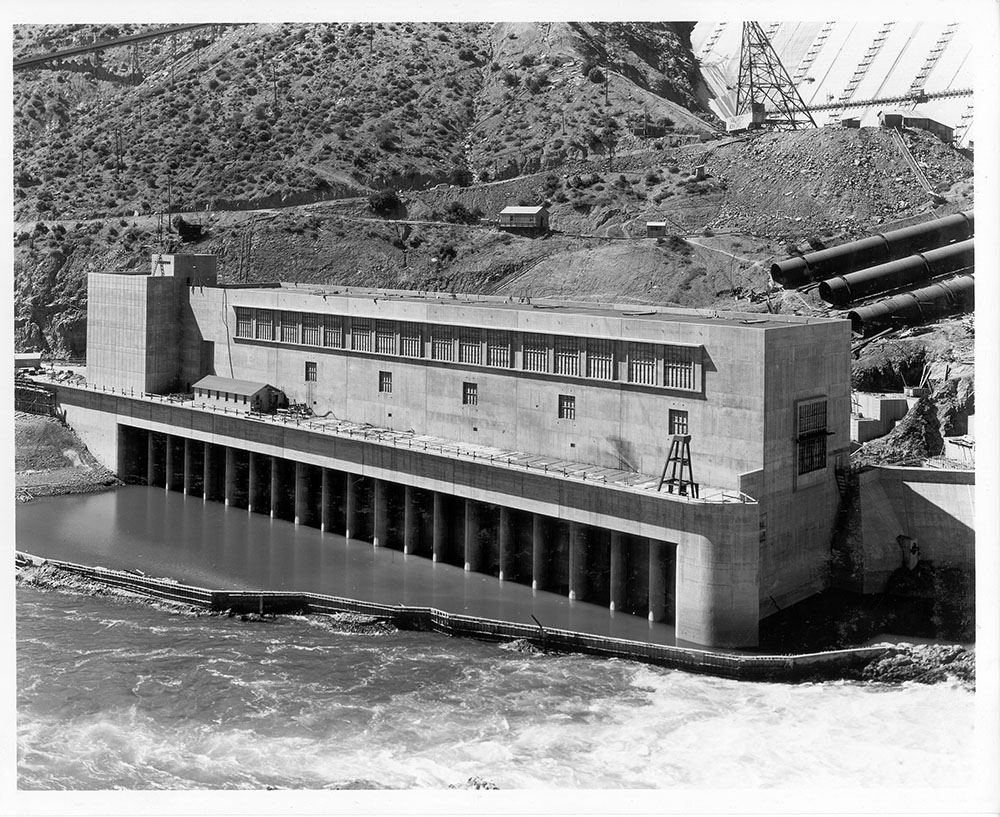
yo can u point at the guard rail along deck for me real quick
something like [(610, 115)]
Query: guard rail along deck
[(738, 666)]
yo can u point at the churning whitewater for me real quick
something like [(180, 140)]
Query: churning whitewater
[(120, 694)]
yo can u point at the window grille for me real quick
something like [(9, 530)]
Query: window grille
[(310, 371), (289, 327), (567, 407), (244, 322), (678, 422), (442, 347), (362, 334), (385, 337), (811, 436), (642, 364), (470, 394), (265, 324), (498, 349), (411, 342), (601, 359), (385, 382), (311, 330), (567, 356), (679, 367), (535, 353), (470, 348), (333, 332)]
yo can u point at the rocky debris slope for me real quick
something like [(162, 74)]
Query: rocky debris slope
[(49, 460), (924, 664), (916, 438), (842, 180)]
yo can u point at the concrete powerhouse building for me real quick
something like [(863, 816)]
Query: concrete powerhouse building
[(523, 440)]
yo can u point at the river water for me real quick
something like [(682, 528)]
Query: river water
[(121, 694)]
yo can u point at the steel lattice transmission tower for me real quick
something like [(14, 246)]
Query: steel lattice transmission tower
[(765, 93)]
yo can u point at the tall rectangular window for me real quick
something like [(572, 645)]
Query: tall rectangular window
[(470, 348), (411, 341), (264, 324), (333, 332), (600, 359), (385, 337), (442, 347), (678, 370), (535, 352), (567, 407), (362, 334), (289, 327), (310, 371), (811, 434), (470, 394), (642, 364), (385, 382), (244, 322), (567, 356), (678, 422), (311, 330), (498, 349)]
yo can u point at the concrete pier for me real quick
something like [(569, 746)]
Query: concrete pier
[(350, 507), (539, 553), (151, 459), (577, 561), (168, 467), (505, 546), (325, 501), (301, 494), (209, 473), (188, 465), (410, 533), (618, 576), (380, 537), (440, 529), (657, 580), (230, 494), (473, 547), (275, 485)]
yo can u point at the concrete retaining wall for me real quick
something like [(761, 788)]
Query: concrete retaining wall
[(935, 507), (834, 664)]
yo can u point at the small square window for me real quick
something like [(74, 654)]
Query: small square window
[(470, 394), (678, 422), (310, 371), (385, 382), (567, 407)]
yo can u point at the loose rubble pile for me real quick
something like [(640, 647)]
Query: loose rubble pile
[(923, 663), (916, 438), (835, 179)]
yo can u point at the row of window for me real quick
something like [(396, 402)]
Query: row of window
[(565, 405), (648, 364)]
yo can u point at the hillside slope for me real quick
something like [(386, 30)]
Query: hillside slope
[(286, 186)]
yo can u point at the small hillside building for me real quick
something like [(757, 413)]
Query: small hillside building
[(656, 229), (524, 220)]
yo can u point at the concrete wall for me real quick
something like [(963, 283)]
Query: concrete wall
[(617, 424), (800, 510), (133, 331), (934, 506)]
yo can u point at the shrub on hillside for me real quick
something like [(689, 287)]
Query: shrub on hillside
[(458, 213), (384, 202), (596, 75)]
